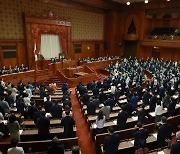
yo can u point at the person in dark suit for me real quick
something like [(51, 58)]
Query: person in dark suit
[(110, 101), (43, 124), (140, 135), (142, 114), (31, 110), (153, 102), (102, 96), (117, 94), (89, 85), (111, 142), (68, 123), (91, 108), (75, 150), (164, 133), (56, 110), (67, 101), (95, 91), (134, 100), (122, 118), (175, 148), (99, 85), (146, 97), (171, 107), (129, 109), (48, 105), (55, 147), (64, 87), (85, 98), (96, 101), (1, 90)]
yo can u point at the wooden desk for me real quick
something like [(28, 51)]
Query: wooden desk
[(80, 74), (27, 76), (102, 64), (40, 146), (31, 124), (32, 134), (69, 72)]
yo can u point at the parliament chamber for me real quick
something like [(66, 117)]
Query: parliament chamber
[(90, 77)]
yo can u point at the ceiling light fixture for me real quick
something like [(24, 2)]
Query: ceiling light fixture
[(128, 3), (168, 0), (146, 1)]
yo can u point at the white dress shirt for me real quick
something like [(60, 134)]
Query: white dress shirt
[(158, 110), (15, 150)]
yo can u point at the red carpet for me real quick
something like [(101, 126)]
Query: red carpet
[(84, 137)]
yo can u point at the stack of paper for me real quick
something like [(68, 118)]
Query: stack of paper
[(20, 131), (152, 114), (155, 135), (115, 122), (94, 126), (161, 152), (135, 118), (132, 142)]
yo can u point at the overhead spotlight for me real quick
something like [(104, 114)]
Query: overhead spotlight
[(168, 0), (146, 1), (128, 3)]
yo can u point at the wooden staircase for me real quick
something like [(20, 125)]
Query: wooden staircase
[(56, 79)]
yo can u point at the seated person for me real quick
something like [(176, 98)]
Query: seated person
[(2, 127), (76, 150), (55, 147), (10, 70), (14, 148)]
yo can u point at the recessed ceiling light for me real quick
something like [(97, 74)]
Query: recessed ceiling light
[(168, 0), (146, 1), (128, 3)]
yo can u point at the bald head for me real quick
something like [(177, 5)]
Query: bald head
[(178, 135)]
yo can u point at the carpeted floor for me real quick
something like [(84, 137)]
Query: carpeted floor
[(84, 136)]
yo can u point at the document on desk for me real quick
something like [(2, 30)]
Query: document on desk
[(132, 142), (94, 126), (152, 114), (161, 152), (20, 131), (155, 135), (115, 122), (135, 118), (5, 122)]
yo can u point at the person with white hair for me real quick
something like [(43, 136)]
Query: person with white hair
[(175, 148)]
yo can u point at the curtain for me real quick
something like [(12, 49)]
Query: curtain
[(61, 31), (50, 46)]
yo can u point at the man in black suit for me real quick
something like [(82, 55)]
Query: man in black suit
[(68, 123), (153, 102), (56, 110), (140, 135), (111, 142), (91, 108), (129, 109), (95, 91), (146, 97), (122, 118), (142, 114), (89, 85), (85, 98), (102, 96), (164, 133), (43, 124), (175, 148), (48, 105), (55, 147), (172, 107), (110, 101)]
